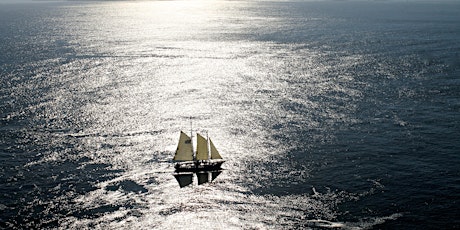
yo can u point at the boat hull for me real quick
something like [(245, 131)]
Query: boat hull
[(196, 166)]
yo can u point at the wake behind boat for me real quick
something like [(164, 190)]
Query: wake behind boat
[(206, 157)]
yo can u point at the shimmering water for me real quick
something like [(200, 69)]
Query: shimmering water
[(334, 114)]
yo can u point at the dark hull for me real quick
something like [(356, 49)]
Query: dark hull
[(197, 166)]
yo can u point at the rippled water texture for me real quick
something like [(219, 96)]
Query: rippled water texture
[(329, 114)]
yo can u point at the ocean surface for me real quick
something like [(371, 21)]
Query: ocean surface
[(330, 114)]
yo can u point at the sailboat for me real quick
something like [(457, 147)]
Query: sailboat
[(205, 158)]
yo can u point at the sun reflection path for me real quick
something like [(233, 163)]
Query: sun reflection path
[(145, 70)]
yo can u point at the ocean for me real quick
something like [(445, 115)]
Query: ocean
[(329, 114)]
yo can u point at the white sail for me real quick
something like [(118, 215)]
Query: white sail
[(201, 148), (214, 153), (184, 150)]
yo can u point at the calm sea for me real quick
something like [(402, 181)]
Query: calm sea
[(330, 114)]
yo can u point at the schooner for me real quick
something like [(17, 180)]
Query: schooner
[(205, 158)]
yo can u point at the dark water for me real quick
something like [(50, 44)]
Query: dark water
[(334, 114)]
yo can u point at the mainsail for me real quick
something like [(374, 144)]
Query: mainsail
[(201, 148), (214, 153), (184, 150)]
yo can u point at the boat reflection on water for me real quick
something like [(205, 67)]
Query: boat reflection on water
[(186, 178)]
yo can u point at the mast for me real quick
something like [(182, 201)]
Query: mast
[(207, 145), (191, 138)]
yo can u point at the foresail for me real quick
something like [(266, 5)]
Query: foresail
[(201, 148), (184, 150), (214, 153)]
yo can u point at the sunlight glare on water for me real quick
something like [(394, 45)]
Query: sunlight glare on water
[(148, 69), (309, 116)]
